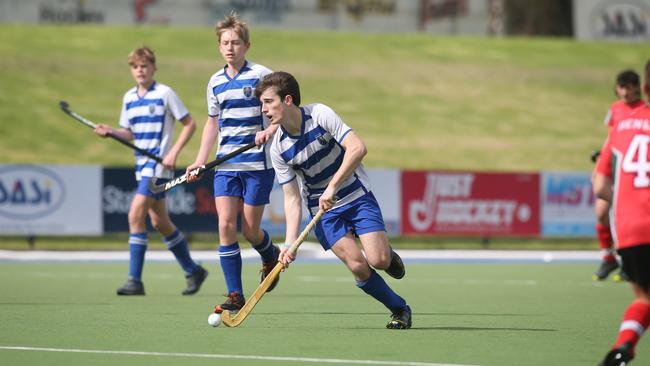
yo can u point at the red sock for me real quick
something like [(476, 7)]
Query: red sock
[(606, 242), (635, 321)]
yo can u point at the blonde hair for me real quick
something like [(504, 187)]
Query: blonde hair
[(233, 22), (142, 53)]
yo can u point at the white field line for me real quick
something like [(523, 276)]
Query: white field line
[(313, 252), (224, 356)]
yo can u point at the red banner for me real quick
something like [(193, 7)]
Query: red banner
[(473, 204)]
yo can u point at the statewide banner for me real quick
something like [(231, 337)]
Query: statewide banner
[(567, 205), (472, 204), (190, 206), (50, 200)]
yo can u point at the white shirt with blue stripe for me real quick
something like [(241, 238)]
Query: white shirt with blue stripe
[(233, 103), (315, 155), (151, 121)]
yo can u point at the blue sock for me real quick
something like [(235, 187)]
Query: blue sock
[(266, 249), (177, 244), (137, 249), (230, 259), (376, 287)]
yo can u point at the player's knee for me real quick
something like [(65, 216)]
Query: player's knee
[(381, 261), (227, 226), (252, 235), (359, 268)]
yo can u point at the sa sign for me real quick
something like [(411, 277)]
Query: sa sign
[(29, 192)]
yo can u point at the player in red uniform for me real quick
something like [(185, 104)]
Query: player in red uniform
[(628, 91), (623, 179)]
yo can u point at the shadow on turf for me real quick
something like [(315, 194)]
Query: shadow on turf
[(483, 328)]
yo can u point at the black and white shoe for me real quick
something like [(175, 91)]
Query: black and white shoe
[(620, 356), (400, 319)]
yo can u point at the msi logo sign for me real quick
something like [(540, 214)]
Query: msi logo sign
[(625, 20)]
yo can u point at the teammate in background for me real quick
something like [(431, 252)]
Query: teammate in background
[(628, 91), (148, 113), (243, 183), (622, 172), (315, 153)]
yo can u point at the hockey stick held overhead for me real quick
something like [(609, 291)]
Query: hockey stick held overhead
[(158, 188), (253, 299), (65, 107)]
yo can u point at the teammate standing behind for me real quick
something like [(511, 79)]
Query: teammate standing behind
[(148, 113), (235, 117), (315, 153), (623, 173), (628, 91)]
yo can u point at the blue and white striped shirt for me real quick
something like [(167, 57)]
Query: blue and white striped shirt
[(232, 101), (315, 155), (151, 120)]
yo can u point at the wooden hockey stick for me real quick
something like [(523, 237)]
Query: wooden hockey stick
[(65, 107), (157, 188), (233, 321)]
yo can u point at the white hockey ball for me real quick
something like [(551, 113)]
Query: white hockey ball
[(214, 319)]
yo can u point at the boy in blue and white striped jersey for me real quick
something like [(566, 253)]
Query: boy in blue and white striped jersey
[(243, 183), (317, 156), (148, 113)]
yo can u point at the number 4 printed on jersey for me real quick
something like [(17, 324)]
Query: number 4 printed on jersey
[(636, 161)]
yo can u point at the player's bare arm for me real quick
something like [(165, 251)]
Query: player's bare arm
[(189, 126), (105, 130), (208, 139), (265, 135), (293, 213), (355, 150), (603, 187)]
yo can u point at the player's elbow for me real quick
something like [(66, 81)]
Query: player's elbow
[(360, 150)]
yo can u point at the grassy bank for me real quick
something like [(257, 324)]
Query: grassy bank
[(419, 101)]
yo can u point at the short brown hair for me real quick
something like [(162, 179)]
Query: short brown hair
[(142, 53), (233, 22), (284, 84)]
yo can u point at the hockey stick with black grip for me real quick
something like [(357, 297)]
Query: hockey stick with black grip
[(65, 107), (158, 188)]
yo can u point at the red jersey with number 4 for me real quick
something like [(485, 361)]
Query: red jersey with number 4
[(618, 110), (625, 159)]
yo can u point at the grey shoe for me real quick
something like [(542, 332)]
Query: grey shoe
[(131, 287), (195, 280), (604, 270), (396, 268)]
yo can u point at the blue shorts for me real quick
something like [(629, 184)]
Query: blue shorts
[(253, 186), (143, 188), (361, 216)]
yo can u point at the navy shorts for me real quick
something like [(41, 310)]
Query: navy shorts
[(253, 186), (636, 264), (143, 188), (361, 216)]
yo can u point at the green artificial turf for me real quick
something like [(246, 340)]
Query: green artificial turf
[(463, 314)]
